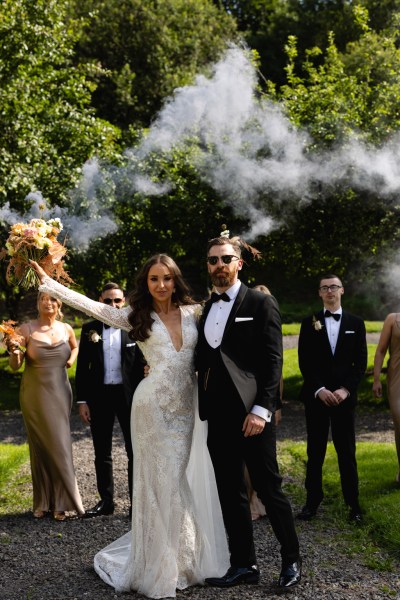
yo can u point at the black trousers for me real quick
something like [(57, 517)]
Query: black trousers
[(109, 403), (230, 451), (340, 419)]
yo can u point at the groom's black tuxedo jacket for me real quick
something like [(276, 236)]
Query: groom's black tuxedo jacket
[(90, 364), (251, 350), (321, 368)]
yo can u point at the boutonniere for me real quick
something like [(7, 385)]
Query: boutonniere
[(198, 311), (94, 336), (316, 324)]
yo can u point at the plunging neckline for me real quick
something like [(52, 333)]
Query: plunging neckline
[(167, 330)]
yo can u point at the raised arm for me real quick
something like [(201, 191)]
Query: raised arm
[(110, 315)]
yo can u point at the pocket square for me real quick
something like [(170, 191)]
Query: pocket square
[(349, 331), (130, 345), (239, 319)]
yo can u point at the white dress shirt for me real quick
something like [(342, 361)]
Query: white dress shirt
[(214, 328), (112, 356), (332, 330)]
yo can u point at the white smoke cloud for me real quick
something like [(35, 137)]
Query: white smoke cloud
[(245, 148)]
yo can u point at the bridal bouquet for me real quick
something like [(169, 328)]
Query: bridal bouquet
[(36, 240), (10, 334)]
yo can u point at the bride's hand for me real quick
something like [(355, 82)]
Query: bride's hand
[(41, 272)]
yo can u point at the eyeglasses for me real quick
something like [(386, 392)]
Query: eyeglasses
[(226, 259), (111, 300), (330, 288)]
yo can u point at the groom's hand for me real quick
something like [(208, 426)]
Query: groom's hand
[(253, 425)]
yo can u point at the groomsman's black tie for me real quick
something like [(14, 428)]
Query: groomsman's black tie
[(329, 314), (216, 297)]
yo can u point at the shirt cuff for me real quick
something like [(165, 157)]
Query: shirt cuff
[(262, 412), (318, 391)]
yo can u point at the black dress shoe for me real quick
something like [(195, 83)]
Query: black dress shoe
[(102, 508), (290, 575), (355, 515), (235, 576), (306, 513)]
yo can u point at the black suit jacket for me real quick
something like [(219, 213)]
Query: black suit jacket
[(250, 349), (321, 368), (90, 364)]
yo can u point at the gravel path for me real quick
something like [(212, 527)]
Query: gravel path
[(45, 560)]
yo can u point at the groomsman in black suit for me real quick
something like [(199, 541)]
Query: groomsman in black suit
[(239, 361), (332, 359), (108, 370)]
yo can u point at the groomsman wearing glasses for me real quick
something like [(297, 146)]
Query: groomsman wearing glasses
[(239, 360), (109, 368), (332, 359)]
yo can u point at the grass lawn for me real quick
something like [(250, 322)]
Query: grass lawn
[(377, 464), (379, 497)]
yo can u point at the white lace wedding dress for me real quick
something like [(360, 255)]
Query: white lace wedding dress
[(177, 537)]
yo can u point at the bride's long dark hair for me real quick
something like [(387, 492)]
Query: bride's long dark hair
[(141, 301)]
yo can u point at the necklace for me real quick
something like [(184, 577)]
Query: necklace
[(50, 330)]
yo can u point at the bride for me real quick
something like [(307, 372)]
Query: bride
[(177, 537)]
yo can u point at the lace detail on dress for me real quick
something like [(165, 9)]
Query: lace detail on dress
[(116, 317), (170, 547), (177, 537)]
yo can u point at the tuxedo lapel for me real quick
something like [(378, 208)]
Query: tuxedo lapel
[(124, 341), (344, 325), (320, 317), (98, 326), (236, 305)]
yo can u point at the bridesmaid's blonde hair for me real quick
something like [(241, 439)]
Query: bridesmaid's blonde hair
[(59, 314)]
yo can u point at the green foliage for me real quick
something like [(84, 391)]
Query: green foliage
[(178, 223), (47, 128), (15, 493), (149, 49)]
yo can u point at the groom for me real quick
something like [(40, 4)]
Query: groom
[(239, 361)]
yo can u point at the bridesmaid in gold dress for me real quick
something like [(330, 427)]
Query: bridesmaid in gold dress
[(390, 339), (46, 401)]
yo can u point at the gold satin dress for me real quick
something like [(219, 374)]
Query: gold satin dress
[(393, 380), (46, 401)]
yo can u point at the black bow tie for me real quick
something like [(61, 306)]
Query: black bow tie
[(329, 314), (216, 297)]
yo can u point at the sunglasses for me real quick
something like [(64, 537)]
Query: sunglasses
[(226, 259), (111, 300)]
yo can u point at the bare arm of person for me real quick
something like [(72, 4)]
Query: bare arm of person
[(16, 353), (73, 344), (380, 353)]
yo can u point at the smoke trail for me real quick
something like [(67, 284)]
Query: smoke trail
[(245, 148)]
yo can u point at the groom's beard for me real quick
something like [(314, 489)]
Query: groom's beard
[(221, 279)]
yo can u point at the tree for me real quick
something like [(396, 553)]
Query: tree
[(148, 49), (47, 128), (345, 98)]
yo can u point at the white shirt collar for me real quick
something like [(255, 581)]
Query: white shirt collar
[(233, 290)]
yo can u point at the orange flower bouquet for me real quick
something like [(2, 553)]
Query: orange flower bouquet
[(36, 240), (10, 335)]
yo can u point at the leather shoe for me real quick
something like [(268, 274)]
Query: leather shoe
[(235, 576), (355, 515), (306, 513), (101, 508), (290, 575)]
